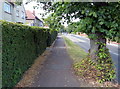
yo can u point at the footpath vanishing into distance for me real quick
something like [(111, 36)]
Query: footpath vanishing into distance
[(57, 70)]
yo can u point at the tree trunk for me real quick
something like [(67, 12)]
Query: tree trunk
[(94, 47), (100, 55)]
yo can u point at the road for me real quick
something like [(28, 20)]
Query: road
[(84, 43)]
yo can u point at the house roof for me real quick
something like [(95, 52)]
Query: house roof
[(30, 15)]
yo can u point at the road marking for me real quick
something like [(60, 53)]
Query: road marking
[(113, 53), (116, 45)]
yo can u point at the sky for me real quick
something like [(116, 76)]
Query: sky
[(30, 5)]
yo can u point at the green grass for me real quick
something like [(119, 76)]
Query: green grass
[(85, 68), (75, 52)]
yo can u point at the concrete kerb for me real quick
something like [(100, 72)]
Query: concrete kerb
[(29, 75)]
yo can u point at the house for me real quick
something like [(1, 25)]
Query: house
[(33, 20), (12, 12), (20, 14)]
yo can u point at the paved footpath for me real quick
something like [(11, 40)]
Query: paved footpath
[(57, 71)]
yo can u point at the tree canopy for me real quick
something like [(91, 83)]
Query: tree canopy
[(53, 22), (96, 18)]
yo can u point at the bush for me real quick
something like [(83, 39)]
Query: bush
[(21, 45)]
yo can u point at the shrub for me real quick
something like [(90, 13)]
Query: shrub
[(21, 45)]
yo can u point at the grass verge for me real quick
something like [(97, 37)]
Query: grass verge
[(75, 52), (84, 67)]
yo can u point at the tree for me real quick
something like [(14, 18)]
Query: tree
[(53, 22), (72, 27), (96, 19), (99, 20)]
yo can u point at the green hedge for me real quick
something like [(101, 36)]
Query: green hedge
[(51, 37), (21, 45)]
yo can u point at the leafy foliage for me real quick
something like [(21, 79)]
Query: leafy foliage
[(53, 22), (100, 72), (21, 45), (100, 17), (18, 2), (71, 27)]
